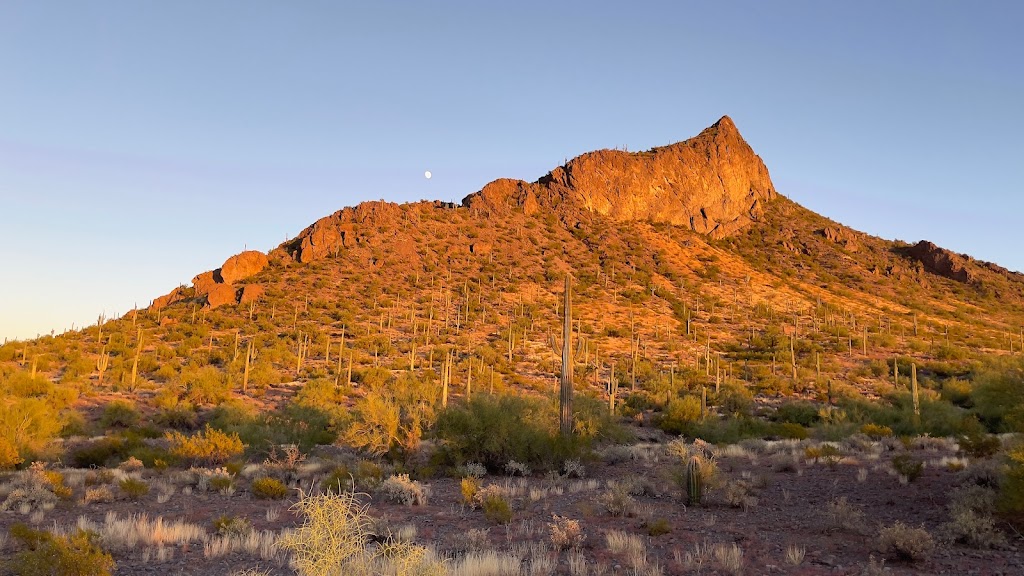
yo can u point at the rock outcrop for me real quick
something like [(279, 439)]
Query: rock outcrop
[(941, 261), (841, 236), (713, 184), (222, 294), (250, 293), (242, 266), (205, 282), (217, 287)]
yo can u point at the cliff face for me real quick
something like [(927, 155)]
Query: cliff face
[(713, 184)]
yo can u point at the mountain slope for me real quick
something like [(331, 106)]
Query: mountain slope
[(685, 259)]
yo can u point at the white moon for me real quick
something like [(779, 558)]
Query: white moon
[(427, 174)]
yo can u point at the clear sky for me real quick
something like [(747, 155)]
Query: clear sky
[(142, 142)]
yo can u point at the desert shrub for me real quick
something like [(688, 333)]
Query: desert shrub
[(978, 444), (337, 481), (680, 414), (333, 539), (134, 488), (401, 490), (9, 457), (29, 425), (565, 533), (119, 414), (840, 515), (876, 431), (206, 385), (220, 482), (268, 488), (469, 487), (790, 430), (209, 446), (970, 518), (908, 466), (999, 396), (98, 453), (323, 395), (180, 417), (617, 499), (802, 413), (232, 525), (906, 543), (496, 507), (493, 430), (659, 527), (44, 553), (394, 417)]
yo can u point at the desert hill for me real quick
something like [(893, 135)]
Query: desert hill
[(838, 393), (684, 256)]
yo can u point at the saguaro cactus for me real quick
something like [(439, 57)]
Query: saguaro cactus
[(694, 482), (565, 350), (913, 389), (101, 364)]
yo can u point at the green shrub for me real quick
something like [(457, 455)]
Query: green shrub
[(209, 446), (232, 525), (658, 527), (134, 488), (269, 488), (876, 431), (338, 481), (802, 413), (908, 466), (493, 430), (47, 554), (680, 414), (99, 453), (119, 414), (496, 508)]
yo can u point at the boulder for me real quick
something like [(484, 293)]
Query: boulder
[(222, 294), (204, 282), (242, 266), (251, 293)]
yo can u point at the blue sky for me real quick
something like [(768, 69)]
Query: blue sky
[(143, 142)]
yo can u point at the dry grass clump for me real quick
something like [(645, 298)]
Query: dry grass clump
[(905, 542), (729, 558), (795, 554), (401, 490), (971, 522), (841, 516), (617, 499), (139, 530), (630, 546)]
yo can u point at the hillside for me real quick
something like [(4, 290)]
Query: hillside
[(705, 303)]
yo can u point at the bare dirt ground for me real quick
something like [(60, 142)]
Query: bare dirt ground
[(771, 499)]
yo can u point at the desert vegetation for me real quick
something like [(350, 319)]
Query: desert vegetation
[(430, 399)]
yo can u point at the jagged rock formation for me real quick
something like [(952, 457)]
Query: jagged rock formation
[(218, 286), (839, 235), (941, 261), (713, 184)]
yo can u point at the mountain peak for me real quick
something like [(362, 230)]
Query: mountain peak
[(713, 183)]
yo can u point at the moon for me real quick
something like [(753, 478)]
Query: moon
[(427, 174)]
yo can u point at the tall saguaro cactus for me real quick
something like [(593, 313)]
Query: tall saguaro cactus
[(565, 388)]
